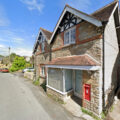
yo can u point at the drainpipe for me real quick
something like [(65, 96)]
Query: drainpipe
[(103, 67), (50, 52)]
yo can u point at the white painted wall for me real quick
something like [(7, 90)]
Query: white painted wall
[(111, 52)]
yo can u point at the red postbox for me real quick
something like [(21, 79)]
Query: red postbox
[(87, 92)]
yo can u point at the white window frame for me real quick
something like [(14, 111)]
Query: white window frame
[(70, 38), (42, 72)]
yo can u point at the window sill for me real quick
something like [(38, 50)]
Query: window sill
[(68, 45)]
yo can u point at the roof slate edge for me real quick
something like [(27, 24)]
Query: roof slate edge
[(40, 30), (115, 1), (67, 8)]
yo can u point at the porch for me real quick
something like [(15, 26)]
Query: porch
[(82, 81)]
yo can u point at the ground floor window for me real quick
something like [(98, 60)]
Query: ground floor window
[(42, 70), (55, 78), (68, 80)]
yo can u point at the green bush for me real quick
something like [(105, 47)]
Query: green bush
[(18, 64), (103, 115)]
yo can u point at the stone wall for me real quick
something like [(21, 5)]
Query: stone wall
[(58, 95), (41, 59), (88, 41), (93, 48), (85, 30), (42, 80), (92, 78), (29, 75), (55, 94)]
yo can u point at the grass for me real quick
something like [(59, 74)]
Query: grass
[(56, 99), (36, 82), (90, 113), (103, 115)]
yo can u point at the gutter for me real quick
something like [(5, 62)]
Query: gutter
[(103, 67)]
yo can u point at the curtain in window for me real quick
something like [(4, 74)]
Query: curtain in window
[(55, 79), (43, 46), (66, 38), (42, 71), (68, 80), (73, 31)]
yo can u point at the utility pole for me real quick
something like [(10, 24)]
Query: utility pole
[(9, 53)]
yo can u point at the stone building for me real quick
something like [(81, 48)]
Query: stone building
[(41, 54), (83, 57)]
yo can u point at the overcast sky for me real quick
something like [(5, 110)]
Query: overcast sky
[(20, 20)]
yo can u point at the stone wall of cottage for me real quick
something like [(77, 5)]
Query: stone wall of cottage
[(41, 59), (88, 41), (91, 78), (93, 48)]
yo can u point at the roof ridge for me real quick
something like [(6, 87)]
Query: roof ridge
[(67, 5), (115, 1), (45, 29)]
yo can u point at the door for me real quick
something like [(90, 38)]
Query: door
[(78, 83)]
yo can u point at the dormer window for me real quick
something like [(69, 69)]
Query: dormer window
[(69, 36), (43, 46)]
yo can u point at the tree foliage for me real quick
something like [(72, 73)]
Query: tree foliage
[(19, 63)]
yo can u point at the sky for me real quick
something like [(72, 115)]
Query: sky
[(20, 20)]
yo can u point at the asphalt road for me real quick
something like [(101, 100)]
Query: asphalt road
[(21, 100)]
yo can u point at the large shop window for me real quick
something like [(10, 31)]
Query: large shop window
[(55, 79), (69, 36), (68, 80)]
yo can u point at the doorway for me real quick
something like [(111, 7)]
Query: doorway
[(78, 83)]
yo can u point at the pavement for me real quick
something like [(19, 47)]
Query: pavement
[(114, 114), (21, 100), (74, 108)]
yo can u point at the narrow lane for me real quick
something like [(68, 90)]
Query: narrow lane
[(21, 100)]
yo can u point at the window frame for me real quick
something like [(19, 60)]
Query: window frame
[(70, 41), (42, 71)]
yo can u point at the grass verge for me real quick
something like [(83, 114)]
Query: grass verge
[(90, 114), (36, 82)]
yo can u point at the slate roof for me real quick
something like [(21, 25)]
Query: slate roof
[(47, 33), (101, 14), (81, 60), (104, 13)]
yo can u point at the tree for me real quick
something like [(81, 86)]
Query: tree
[(19, 63), (12, 57)]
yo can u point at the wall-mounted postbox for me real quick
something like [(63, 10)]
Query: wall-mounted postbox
[(87, 92)]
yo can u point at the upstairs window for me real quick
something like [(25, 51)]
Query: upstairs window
[(43, 46), (69, 36)]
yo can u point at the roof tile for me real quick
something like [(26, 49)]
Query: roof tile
[(104, 13), (47, 33), (81, 60)]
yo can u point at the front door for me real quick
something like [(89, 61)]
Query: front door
[(78, 83)]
